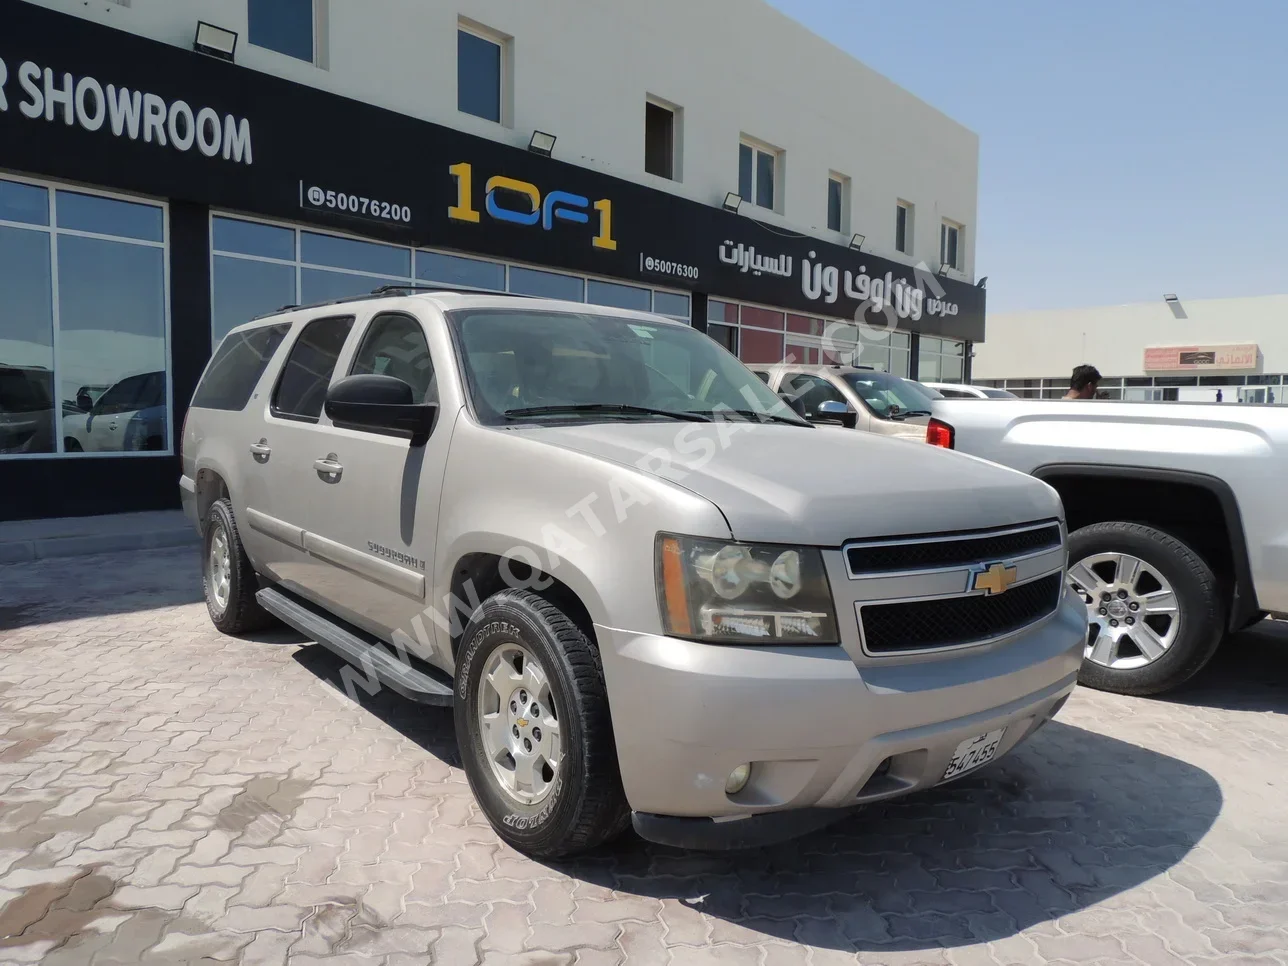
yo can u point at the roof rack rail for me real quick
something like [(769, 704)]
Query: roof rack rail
[(392, 291)]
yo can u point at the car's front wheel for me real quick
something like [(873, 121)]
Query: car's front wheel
[(1154, 608), (534, 730)]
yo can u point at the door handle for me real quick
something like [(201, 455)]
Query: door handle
[(261, 451), (329, 469)]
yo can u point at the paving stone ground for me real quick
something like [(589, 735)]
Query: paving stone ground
[(171, 795)]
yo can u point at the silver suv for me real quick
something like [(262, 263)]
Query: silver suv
[(650, 591), (857, 397)]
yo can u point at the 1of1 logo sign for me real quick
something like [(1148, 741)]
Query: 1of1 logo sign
[(501, 192)]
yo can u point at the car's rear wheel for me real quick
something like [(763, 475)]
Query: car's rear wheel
[(227, 575), (533, 726), (1154, 608)]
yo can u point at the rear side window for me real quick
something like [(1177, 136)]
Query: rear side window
[(301, 389), (235, 370)]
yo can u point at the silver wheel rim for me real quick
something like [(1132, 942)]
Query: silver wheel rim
[(1132, 609), (519, 725), (220, 568)]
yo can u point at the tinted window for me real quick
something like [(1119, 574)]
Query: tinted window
[(27, 203), (528, 281), (282, 25), (252, 238), (452, 270), (1000, 394), (889, 395), (301, 389), (236, 367), (109, 216), (394, 345), (812, 390), (478, 76), (137, 392), (835, 200), (956, 394)]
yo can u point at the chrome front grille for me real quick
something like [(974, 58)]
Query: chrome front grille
[(926, 593)]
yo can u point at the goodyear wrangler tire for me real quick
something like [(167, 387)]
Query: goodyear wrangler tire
[(534, 731)]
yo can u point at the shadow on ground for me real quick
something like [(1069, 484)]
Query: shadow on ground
[(1071, 819), (1248, 673)]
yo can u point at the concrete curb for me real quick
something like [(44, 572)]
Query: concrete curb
[(29, 541)]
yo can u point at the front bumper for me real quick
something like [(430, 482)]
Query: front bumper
[(820, 730)]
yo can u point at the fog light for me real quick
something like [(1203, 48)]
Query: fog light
[(738, 779)]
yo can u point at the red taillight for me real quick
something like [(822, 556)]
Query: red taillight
[(939, 434)]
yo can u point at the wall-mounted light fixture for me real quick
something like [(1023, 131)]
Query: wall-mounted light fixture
[(856, 243), (982, 282), (215, 41), (542, 144), (733, 201), (1170, 298)]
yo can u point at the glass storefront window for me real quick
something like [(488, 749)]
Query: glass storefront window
[(319, 285), (454, 270), (357, 256), (252, 238), (673, 305), (83, 363), (109, 216), (245, 288), (549, 285), (24, 203), (619, 296)]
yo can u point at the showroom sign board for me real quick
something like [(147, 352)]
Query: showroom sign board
[(1212, 357), (86, 102)]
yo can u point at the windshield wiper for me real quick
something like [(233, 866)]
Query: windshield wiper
[(905, 413), (756, 415), (610, 408)]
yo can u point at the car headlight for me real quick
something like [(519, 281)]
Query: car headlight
[(743, 593)]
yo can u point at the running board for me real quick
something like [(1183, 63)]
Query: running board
[(361, 650)]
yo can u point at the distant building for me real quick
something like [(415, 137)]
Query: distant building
[(1172, 349)]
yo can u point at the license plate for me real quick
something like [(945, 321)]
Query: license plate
[(974, 752)]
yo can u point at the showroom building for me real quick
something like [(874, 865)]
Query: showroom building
[(1172, 349), (169, 170)]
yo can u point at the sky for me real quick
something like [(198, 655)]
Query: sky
[(1128, 148)]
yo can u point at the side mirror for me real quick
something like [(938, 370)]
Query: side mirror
[(84, 402), (382, 404), (835, 411), (798, 407)]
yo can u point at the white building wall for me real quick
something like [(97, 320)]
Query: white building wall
[(1023, 345), (583, 69)]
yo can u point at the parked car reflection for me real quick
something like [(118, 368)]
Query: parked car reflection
[(26, 409), (130, 416)]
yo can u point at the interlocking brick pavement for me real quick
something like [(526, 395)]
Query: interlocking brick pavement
[(171, 795)]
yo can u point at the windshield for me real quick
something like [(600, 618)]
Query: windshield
[(24, 390), (888, 395), (521, 362)]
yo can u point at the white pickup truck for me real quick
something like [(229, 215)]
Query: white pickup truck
[(1178, 519)]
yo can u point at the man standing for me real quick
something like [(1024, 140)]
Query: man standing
[(1085, 382), (1220, 396)]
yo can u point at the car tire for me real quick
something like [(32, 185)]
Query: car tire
[(227, 576), (532, 650), (1165, 564)]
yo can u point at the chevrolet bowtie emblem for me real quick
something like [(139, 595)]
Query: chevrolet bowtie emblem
[(997, 579)]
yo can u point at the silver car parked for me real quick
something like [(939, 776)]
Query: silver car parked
[(650, 591), (857, 397)]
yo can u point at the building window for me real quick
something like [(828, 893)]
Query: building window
[(547, 285), (480, 73), (84, 323), (838, 203), (661, 126), (950, 249), (940, 360), (286, 26), (672, 304), (903, 228), (758, 174)]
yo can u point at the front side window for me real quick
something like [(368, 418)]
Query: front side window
[(301, 388), (889, 396), (812, 390), (285, 26), (236, 367), (757, 174), (479, 61), (394, 345), (575, 366)]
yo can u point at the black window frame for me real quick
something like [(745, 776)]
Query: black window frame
[(664, 152), (286, 362)]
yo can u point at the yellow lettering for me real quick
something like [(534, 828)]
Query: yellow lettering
[(464, 209), (605, 237)]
